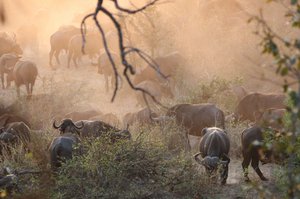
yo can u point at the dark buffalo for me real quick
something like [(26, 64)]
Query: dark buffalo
[(15, 133), (60, 41), (95, 128), (253, 105), (24, 72), (62, 149), (92, 47), (9, 44), (253, 151), (143, 116), (83, 115), (214, 149), (7, 138), (19, 129), (6, 119), (67, 126), (7, 63), (195, 117)]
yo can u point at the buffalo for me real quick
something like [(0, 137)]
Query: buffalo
[(214, 149), (239, 92), (195, 117), (105, 68), (15, 133), (157, 90), (19, 129), (253, 105), (143, 116), (61, 149), (92, 47), (7, 63), (6, 119), (95, 128), (168, 66), (9, 44), (24, 72), (252, 140), (68, 126), (60, 41)]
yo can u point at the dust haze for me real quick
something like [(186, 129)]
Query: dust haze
[(211, 41), (213, 37)]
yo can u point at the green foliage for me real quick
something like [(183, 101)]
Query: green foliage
[(285, 52), (128, 169)]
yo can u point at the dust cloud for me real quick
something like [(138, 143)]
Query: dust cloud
[(213, 37)]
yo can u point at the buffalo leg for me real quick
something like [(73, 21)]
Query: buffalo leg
[(224, 173), (27, 89), (51, 56), (106, 83), (70, 55), (56, 54), (2, 80), (18, 91), (31, 88), (75, 61), (254, 164), (245, 165)]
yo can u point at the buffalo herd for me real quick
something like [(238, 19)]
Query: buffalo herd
[(206, 120)]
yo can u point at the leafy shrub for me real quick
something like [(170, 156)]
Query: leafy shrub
[(129, 169)]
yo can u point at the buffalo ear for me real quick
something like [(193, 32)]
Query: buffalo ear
[(203, 132)]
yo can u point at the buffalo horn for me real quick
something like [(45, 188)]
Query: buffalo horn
[(54, 125), (79, 127), (223, 162), (197, 158)]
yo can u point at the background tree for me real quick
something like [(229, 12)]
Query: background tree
[(285, 50)]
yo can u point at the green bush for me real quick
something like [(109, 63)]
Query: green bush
[(129, 169)]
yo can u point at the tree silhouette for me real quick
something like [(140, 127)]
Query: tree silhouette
[(124, 50)]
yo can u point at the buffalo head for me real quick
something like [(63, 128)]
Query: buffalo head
[(211, 163), (67, 126), (214, 163)]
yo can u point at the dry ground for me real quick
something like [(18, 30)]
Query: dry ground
[(87, 87)]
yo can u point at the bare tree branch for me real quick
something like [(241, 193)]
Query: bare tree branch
[(124, 51), (116, 2)]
